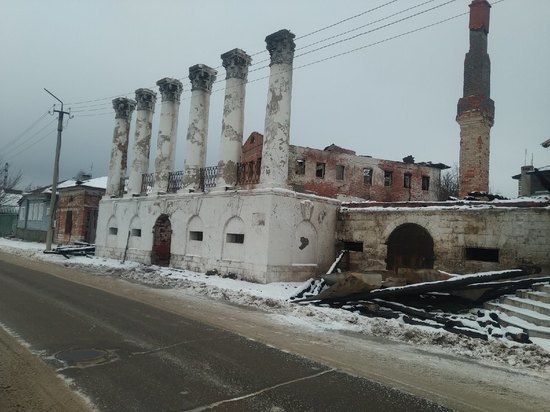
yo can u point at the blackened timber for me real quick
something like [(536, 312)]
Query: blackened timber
[(454, 283)]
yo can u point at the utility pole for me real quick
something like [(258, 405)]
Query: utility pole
[(49, 235)]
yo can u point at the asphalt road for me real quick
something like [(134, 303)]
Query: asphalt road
[(125, 355)]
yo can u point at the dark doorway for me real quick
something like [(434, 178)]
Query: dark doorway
[(410, 246), (162, 238)]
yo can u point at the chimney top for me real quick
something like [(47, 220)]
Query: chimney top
[(479, 15)]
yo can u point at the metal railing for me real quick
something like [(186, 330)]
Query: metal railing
[(247, 174), (147, 180), (207, 177), (175, 181)]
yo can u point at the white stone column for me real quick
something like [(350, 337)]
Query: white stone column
[(275, 151), (236, 64), (119, 152), (170, 90), (202, 77), (146, 100)]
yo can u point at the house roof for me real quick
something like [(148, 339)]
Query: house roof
[(96, 183), (10, 199)]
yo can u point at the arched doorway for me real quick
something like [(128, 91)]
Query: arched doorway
[(162, 238), (410, 246)]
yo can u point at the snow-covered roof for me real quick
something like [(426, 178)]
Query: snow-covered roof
[(10, 199), (96, 183)]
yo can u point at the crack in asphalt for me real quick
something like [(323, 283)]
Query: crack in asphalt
[(250, 395)]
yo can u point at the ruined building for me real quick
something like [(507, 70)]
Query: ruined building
[(271, 211), (340, 173)]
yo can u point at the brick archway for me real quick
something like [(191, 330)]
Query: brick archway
[(162, 240), (410, 246)]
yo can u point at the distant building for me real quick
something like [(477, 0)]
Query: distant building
[(533, 181), (9, 211), (77, 208), (340, 173), (34, 207), (76, 211)]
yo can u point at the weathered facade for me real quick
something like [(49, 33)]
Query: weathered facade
[(77, 209), (264, 234), (340, 173), (272, 211), (32, 223), (533, 181), (456, 237), (476, 110)]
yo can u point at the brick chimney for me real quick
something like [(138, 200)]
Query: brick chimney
[(475, 110)]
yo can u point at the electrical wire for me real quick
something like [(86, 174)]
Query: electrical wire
[(16, 138), (28, 139), (258, 52), (377, 28), (13, 156)]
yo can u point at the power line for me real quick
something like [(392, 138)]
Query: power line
[(365, 25), (24, 131), (33, 143), (258, 52), (377, 28), (347, 19), (21, 143)]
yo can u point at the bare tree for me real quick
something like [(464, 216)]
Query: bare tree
[(8, 182), (449, 183)]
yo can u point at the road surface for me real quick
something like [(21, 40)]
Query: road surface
[(123, 354)]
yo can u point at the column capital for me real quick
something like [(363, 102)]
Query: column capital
[(236, 64), (280, 46), (202, 77), (123, 107), (146, 99), (170, 89)]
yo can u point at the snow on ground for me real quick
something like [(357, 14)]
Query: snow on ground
[(274, 299)]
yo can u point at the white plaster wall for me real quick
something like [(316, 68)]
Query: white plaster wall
[(269, 219)]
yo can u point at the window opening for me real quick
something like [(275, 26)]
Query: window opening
[(425, 183), (388, 178), (136, 232), (367, 176), (340, 172), (407, 180), (352, 246), (320, 170), (300, 167), (235, 238), (481, 254), (113, 230), (195, 235)]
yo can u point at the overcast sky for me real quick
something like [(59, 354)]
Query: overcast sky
[(387, 100)]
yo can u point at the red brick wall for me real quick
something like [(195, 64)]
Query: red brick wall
[(80, 201), (353, 183)]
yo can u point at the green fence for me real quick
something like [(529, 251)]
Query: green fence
[(8, 220)]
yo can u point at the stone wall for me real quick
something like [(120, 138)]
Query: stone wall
[(467, 238)]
